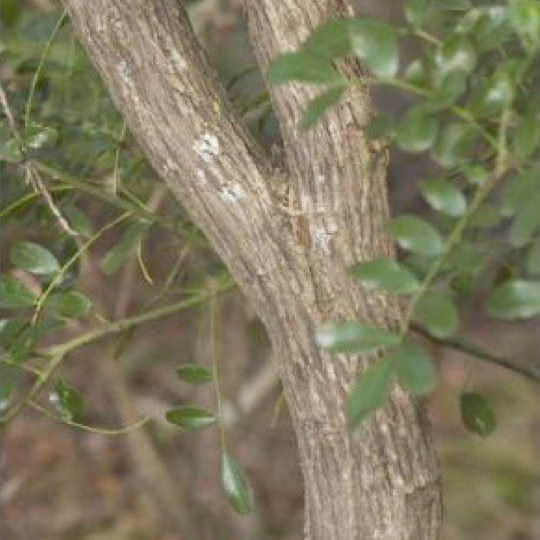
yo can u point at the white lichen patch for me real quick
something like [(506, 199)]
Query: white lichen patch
[(231, 193), (398, 481), (125, 72), (322, 236), (170, 167), (178, 61), (128, 86), (207, 147), (201, 176), (370, 301), (100, 24)]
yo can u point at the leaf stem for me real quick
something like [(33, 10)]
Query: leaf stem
[(426, 36), (456, 233), (41, 65), (475, 351), (215, 368), (95, 192), (92, 429), (21, 201), (453, 238), (72, 260), (461, 113), (117, 155)]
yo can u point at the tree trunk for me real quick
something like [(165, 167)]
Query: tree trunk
[(287, 237)]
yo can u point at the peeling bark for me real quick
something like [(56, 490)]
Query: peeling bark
[(288, 254)]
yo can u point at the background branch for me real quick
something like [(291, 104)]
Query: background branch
[(472, 349)]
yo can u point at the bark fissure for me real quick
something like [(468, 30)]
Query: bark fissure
[(381, 481)]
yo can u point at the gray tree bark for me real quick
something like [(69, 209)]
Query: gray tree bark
[(287, 237)]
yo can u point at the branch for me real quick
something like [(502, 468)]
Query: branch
[(160, 80), (122, 325), (32, 176), (474, 350), (57, 353)]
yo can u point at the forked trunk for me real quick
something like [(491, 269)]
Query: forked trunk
[(287, 237)]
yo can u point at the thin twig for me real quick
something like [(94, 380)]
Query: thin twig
[(474, 350), (31, 174), (100, 194), (92, 429)]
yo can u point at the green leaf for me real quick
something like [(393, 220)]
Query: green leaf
[(476, 414), (514, 299), (419, 71), (493, 27), (69, 305), (190, 417), (447, 91), (525, 17), (14, 294), (437, 313), (330, 39), (418, 264), (453, 5), (10, 375), (494, 93), (318, 106), (485, 217), (369, 392), (455, 54), (527, 135), (25, 344), (77, 220), (114, 258), (443, 197), (18, 338), (236, 485), (10, 150), (414, 368), (489, 27), (475, 174), (466, 258), (527, 222), (37, 137), (10, 331), (385, 274), (416, 235), (10, 11), (33, 258), (454, 144), (418, 130), (193, 374), (380, 127), (303, 66), (517, 191), (376, 44), (66, 401), (417, 12), (354, 337), (532, 260)]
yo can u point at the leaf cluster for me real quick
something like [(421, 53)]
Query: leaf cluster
[(471, 88)]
